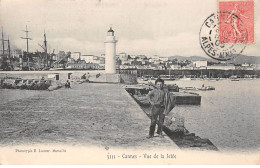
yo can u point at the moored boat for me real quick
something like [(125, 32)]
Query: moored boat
[(188, 88), (207, 88), (234, 78)]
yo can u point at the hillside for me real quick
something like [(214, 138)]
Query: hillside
[(237, 60)]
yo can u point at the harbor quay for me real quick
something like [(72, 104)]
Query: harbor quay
[(98, 114)]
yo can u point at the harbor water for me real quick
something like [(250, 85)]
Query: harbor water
[(229, 116)]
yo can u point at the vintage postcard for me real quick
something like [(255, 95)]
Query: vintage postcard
[(150, 82)]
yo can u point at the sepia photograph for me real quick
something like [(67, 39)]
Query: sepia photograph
[(129, 82)]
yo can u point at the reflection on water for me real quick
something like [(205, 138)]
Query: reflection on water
[(229, 116)]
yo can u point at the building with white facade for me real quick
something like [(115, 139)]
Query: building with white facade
[(123, 56), (175, 67), (93, 59), (88, 58), (126, 62), (199, 64), (75, 55)]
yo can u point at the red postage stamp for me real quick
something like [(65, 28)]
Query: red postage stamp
[(236, 21)]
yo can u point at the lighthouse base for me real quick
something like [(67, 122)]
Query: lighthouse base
[(113, 78)]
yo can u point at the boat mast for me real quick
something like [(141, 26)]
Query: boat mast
[(27, 46), (45, 49), (3, 43), (9, 50)]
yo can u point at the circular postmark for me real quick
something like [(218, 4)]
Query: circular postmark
[(218, 38)]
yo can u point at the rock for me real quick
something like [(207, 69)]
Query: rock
[(167, 121)]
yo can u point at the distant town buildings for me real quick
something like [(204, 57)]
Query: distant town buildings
[(93, 59), (163, 59), (222, 67), (77, 60), (16, 53)]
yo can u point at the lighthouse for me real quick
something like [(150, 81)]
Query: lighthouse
[(110, 44)]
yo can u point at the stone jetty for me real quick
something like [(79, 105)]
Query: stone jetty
[(88, 114)]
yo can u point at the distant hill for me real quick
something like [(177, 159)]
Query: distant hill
[(192, 58), (246, 59), (237, 60)]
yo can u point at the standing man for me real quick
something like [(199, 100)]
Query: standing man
[(67, 84), (156, 98)]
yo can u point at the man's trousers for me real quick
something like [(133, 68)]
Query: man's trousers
[(155, 112)]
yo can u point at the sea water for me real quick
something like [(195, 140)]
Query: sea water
[(229, 116)]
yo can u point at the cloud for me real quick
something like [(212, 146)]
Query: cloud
[(180, 44), (254, 49), (143, 27)]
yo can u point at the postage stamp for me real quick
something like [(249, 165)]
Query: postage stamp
[(236, 21), (210, 40)]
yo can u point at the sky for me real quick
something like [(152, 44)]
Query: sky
[(147, 27)]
